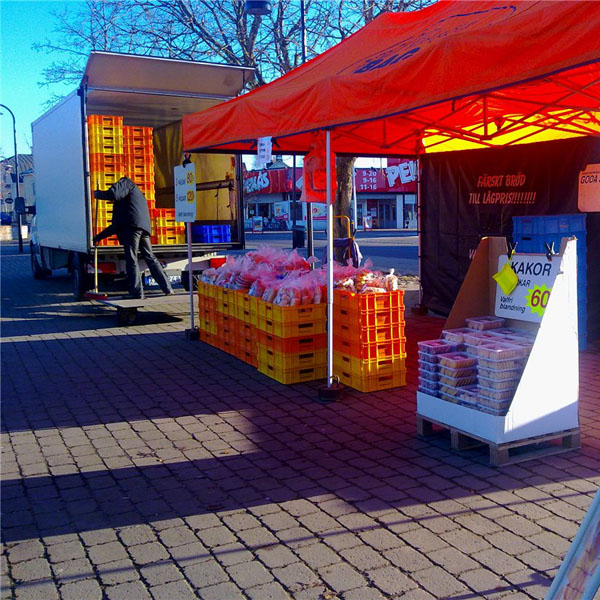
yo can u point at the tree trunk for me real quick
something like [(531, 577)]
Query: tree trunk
[(343, 199)]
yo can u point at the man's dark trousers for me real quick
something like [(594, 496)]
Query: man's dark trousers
[(135, 240)]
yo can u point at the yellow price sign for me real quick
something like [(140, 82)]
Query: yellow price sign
[(537, 298), (189, 178), (190, 196)]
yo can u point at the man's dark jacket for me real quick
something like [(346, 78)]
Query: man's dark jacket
[(130, 208)]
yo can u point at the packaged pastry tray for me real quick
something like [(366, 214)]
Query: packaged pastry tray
[(431, 367), (455, 335), (449, 398), (437, 347), (457, 360), (458, 381), (482, 323), (464, 372), (498, 374), (499, 351), (476, 338), (429, 376), (429, 392), (449, 390), (428, 386), (498, 384), (492, 394), (501, 365), (495, 404), (430, 358), (469, 395)]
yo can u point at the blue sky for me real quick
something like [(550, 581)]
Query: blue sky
[(22, 23)]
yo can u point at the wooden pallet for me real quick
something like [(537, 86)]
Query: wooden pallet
[(507, 453)]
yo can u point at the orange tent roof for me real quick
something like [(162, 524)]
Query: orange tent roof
[(486, 73)]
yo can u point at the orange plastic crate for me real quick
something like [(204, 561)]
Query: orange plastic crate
[(381, 318), (114, 163), (376, 350), (291, 345), (136, 131), (206, 337), (368, 335), (110, 121), (359, 303)]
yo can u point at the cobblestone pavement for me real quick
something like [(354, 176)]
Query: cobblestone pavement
[(136, 464)]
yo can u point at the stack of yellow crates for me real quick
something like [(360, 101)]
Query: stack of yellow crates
[(117, 151), (107, 165), (368, 340)]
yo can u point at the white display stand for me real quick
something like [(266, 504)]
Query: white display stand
[(545, 404)]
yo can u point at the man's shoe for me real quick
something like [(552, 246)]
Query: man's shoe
[(170, 293)]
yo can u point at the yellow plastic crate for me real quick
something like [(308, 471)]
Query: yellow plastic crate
[(248, 309), (285, 362), (291, 330), (292, 375), (288, 315), (373, 383), (102, 181), (368, 368)]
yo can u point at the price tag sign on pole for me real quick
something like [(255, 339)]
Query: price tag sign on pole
[(264, 151), (185, 211)]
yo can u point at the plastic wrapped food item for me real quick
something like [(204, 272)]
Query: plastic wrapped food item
[(455, 335), (430, 358), (492, 394), (499, 374), (448, 398), (465, 372), (494, 404), (458, 381), (429, 376), (450, 390), (482, 323), (501, 365), (457, 360), (469, 395), (436, 347), (426, 384), (499, 384), (499, 351), (430, 367), (476, 338)]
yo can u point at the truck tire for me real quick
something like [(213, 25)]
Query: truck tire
[(37, 270), (82, 282)]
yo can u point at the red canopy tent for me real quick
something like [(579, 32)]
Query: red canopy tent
[(454, 75), (485, 72)]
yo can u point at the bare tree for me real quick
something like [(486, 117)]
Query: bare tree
[(214, 31)]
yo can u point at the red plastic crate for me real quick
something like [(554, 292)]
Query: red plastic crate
[(105, 120)]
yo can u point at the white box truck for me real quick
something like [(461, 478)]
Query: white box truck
[(146, 92)]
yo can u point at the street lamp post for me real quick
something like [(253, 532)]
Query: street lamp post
[(16, 172)]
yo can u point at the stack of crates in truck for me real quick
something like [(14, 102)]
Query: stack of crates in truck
[(117, 151), (125, 119)]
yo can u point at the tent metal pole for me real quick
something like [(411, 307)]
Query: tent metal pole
[(329, 264), (418, 165)]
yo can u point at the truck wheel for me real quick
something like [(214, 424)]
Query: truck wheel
[(37, 270), (81, 278)]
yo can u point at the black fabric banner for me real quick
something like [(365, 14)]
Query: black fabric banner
[(475, 193)]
